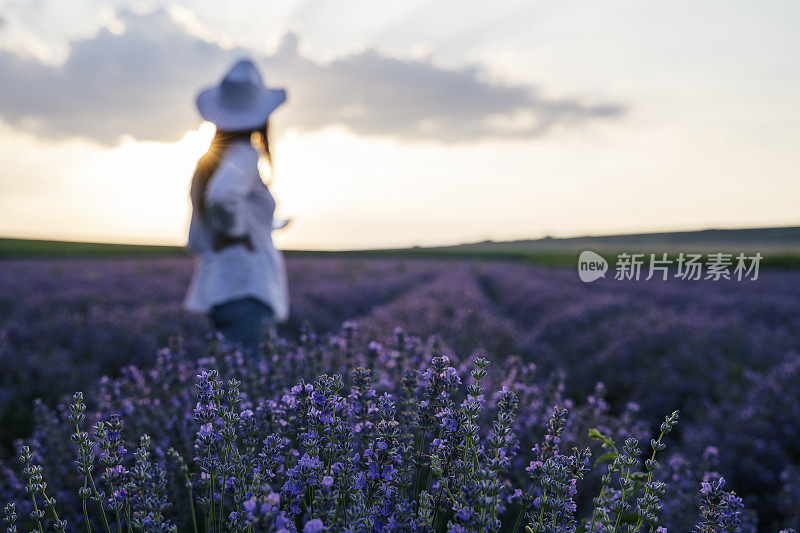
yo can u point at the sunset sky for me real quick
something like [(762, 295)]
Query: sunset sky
[(407, 123)]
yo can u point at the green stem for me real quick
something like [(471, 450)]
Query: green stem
[(436, 507), (594, 513), (85, 511), (602, 489), (97, 497), (222, 497), (622, 499), (496, 496), (36, 509), (310, 495), (649, 480), (430, 474), (191, 503), (52, 508), (522, 510), (541, 512), (100, 503), (211, 494), (304, 505), (128, 517), (518, 520), (119, 523), (419, 463)]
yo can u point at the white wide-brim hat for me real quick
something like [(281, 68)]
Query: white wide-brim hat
[(241, 101)]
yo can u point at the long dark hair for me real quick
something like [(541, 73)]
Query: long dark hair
[(210, 161)]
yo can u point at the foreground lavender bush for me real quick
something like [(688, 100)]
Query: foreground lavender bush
[(726, 354), (410, 439), (66, 322)]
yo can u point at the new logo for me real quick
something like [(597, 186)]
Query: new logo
[(591, 266)]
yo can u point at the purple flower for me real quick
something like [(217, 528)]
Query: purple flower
[(379, 433), (314, 526), (361, 481)]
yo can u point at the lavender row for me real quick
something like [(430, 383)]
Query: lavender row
[(404, 440), (725, 354), (64, 323)]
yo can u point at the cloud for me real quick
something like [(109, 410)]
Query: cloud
[(137, 83), (374, 94), (142, 82)]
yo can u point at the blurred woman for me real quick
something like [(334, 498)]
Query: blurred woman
[(239, 278)]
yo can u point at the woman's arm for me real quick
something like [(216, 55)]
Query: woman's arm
[(228, 188)]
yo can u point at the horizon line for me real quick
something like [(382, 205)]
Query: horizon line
[(412, 246)]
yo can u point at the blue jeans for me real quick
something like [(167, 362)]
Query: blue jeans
[(242, 322)]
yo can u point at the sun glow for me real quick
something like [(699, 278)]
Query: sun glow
[(138, 191), (143, 186)]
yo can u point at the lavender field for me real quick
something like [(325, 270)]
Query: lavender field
[(402, 395)]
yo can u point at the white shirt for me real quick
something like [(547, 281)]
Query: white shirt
[(237, 203)]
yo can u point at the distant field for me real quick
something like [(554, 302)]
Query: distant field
[(779, 247), (32, 248)]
